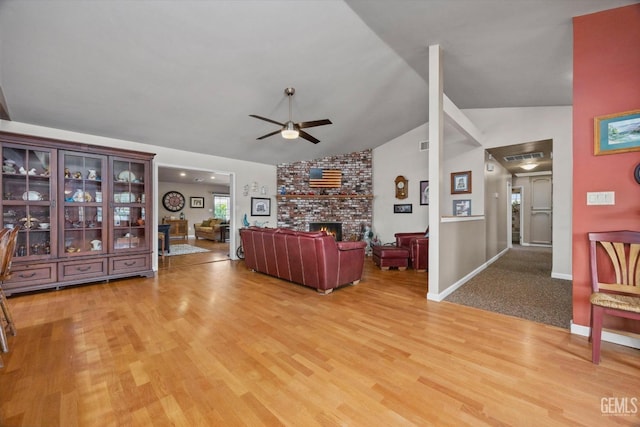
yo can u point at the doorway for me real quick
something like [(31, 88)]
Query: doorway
[(516, 215), (207, 195)]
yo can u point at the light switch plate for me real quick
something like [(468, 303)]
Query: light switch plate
[(601, 198)]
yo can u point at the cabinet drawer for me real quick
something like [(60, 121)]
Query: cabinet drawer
[(127, 264), (31, 274), (74, 270)]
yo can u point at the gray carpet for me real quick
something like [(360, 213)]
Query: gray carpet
[(519, 284)]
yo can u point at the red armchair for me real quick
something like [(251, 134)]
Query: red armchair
[(418, 246)]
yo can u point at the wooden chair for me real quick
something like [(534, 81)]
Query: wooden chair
[(161, 244), (615, 280), (4, 246), (7, 249)]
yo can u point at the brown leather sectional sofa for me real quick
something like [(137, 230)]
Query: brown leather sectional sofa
[(312, 259)]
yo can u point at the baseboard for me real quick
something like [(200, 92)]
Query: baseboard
[(431, 296), (561, 276), (537, 245), (612, 337)]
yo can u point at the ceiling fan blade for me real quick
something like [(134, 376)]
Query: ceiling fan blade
[(308, 137), (304, 125), (266, 120), (269, 134)]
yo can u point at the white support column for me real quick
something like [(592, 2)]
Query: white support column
[(436, 138)]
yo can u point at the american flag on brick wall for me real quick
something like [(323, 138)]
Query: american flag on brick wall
[(325, 178)]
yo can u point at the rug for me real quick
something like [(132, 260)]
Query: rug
[(519, 284), (181, 249)]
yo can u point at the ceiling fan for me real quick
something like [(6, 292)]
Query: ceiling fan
[(291, 130)]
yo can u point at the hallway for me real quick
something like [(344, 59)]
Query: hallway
[(519, 284)]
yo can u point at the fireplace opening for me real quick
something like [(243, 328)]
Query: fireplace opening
[(332, 228)]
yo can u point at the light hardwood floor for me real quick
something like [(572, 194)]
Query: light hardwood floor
[(211, 343)]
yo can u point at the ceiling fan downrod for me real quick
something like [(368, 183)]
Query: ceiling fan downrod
[(290, 130)]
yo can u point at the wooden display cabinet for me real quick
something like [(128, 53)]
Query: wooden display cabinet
[(81, 211)]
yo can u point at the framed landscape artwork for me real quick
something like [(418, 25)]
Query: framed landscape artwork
[(405, 208), (617, 133), (197, 202)]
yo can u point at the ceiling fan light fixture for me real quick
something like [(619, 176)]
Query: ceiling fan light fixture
[(290, 131), (529, 166)]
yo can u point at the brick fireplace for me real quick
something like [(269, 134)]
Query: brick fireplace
[(351, 204), (331, 228)]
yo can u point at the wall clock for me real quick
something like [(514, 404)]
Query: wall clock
[(173, 201), (401, 187)]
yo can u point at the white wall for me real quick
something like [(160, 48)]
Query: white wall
[(497, 207), (499, 127), (462, 157), (509, 126), (400, 156), (242, 172)]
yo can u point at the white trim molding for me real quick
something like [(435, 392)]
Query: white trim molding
[(562, 276), (612, 337), (431, 296)]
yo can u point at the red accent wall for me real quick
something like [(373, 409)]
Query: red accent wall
[(606, 80)]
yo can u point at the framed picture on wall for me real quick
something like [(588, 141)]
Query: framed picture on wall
[(197, 202), (260, 206), (461, 182), (462, 207), (617, 133), (424, 192), (405, 208)]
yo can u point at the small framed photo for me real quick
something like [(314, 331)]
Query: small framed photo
[(197, 202), (461, 182), (424, 192), (406, 208), (617, 133), (260, 206), (462, 207)]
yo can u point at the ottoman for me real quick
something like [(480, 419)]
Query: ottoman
[(390, 256)]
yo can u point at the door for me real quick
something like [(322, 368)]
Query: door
[(541, 210)]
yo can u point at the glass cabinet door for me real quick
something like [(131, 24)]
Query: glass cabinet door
[(130, 228), (83, 204), (27, 199)]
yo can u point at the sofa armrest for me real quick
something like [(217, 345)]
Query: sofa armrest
[(404, 239), (419, 253), (349, 246), (420, 241)]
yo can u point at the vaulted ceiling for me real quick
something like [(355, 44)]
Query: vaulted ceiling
[(187, 74)]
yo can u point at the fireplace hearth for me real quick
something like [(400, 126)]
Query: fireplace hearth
[(332, 228)]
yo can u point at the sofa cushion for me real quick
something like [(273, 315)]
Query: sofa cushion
[(205, 223)]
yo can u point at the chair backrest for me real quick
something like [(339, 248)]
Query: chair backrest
[(7, 247), (621, 268)]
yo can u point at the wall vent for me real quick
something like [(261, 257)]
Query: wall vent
[(525, 156), (424, 145)]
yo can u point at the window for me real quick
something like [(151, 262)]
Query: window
[(515, 199), (221, 207)]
